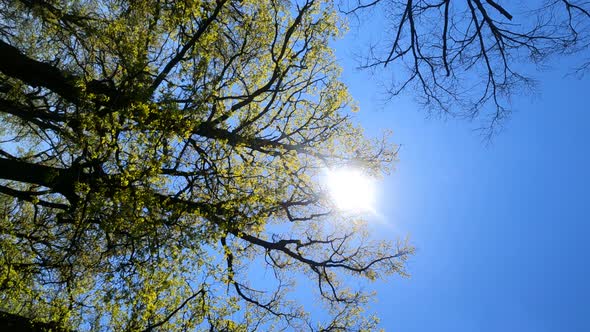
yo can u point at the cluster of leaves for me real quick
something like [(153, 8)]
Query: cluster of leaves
[(157, 157)]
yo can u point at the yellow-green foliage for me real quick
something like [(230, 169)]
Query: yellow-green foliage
[(192, 139)]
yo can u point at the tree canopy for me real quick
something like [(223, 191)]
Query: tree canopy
[(159, 158), (467, 58)]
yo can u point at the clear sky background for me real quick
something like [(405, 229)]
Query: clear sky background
[(502, 230)]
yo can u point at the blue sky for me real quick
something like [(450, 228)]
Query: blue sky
[(502, 229)]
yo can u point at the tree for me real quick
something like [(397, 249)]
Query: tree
[(159, 156), (467, 58)]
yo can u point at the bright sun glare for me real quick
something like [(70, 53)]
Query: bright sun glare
[(351, 190)]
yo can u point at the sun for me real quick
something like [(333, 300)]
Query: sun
[(351, 190)]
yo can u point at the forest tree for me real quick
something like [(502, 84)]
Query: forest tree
[(159, 158)]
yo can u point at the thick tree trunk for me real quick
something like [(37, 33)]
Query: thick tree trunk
[(14, 63), (16, 323), (58, 179)]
